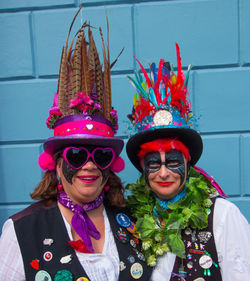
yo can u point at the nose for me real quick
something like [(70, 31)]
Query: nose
[(163, 172), (90, 165)]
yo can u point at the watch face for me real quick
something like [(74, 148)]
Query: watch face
[(163, 117)]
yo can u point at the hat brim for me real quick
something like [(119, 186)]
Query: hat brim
[(54, 144), (189, 137)]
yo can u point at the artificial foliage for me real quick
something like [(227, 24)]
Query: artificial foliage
[(162, 233)]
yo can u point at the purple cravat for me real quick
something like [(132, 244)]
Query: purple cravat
[(81, 222)]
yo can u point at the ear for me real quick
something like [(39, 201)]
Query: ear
[(58, 168)]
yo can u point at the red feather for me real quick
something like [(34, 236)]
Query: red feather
[(145, 74)]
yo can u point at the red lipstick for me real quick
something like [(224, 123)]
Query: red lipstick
[(165, 183), (88, 178)]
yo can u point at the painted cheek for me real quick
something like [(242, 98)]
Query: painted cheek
[(68, 172)]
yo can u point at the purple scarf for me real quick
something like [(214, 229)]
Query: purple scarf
[(81, 222)]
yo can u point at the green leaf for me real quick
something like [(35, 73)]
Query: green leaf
[(176, 244), (146, 226)]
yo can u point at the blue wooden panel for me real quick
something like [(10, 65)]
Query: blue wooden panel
[(24, 109), (129, 174), (243, 204), (7, 211), (245, 153), (122, 100), (220, 158), (51, 28), (244, 31), (203, 29), (15, 45), (17, 4), (221, 99), (20, 172)]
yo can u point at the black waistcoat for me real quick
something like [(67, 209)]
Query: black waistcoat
[(40, 221), (202, 259)]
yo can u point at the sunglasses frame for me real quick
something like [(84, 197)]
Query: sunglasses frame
[(89, 154)]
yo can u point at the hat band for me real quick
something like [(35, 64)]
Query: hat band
[(86, 127)]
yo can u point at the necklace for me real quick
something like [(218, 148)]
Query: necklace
[(162, 232)]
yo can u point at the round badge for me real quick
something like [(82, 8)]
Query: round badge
[(163, 117), (123, 220), (136, 270), (121, 235), (199, 279), (42, 275), (205, 261), (82, 279), (47, 256), (131, 259)]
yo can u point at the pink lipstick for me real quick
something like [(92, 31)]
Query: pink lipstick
[(88, 178)]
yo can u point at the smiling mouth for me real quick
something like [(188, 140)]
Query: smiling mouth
[(88, 178), (161, 183)]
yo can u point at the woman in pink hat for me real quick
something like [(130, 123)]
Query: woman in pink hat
[(79, 229), (189, 231)]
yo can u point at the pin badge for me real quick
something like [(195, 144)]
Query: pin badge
[(35, 264), (131, 228), (42, 275), (82, 279), (48, 241), (205, 261), (66, 259), (123, 220), (204, 236), (136, 270), (190, 265), (132, 243), (47, 256), (131, 259), (122, 266), (121, 235)]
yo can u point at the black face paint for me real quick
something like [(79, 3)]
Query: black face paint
[(69, 173), (174, 161)]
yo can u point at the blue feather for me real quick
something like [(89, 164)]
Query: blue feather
[(153, 72), (152, 97)]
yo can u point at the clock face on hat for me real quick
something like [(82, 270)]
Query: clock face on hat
[(163, 117)]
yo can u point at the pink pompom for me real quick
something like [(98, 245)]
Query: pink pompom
[(46, 162), (118, 165)]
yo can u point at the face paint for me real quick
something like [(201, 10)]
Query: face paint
[(174, 161), (69, 173)]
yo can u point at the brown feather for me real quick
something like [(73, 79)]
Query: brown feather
[(106, 94), (95, 70)]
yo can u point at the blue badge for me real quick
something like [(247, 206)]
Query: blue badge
[(123, 220)]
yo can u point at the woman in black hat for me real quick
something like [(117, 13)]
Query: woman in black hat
[(189, 231), (79, 229)]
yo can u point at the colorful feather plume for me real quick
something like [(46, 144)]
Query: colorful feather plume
[(163, 90)]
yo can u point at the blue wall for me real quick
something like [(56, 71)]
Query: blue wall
[(213, 36)]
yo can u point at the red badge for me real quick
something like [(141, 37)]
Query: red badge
[(47, 256), (35, 264)]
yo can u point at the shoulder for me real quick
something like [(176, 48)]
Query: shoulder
[(228, 214), (34, 208)]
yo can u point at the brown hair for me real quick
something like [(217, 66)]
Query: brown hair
[(47, 189)]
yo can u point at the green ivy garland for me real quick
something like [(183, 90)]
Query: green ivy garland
[(157, 237)]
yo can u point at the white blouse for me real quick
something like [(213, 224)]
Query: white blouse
[(104, 266)]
